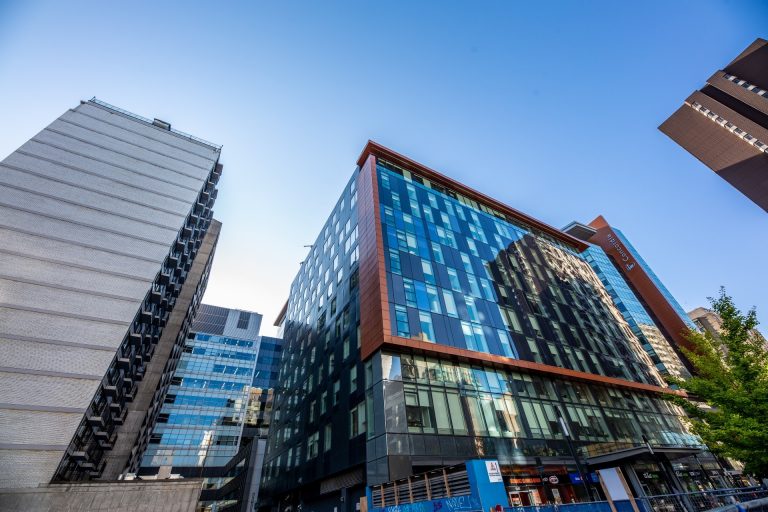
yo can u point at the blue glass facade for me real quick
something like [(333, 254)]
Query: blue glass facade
[(463, 277), (655, 344), (217, 410), (267, 363), (201, 421)]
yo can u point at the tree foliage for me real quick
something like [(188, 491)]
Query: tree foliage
[(728, 395)]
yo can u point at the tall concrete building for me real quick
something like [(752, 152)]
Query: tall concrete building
[(431, 324), (107, 241), (725, 123)]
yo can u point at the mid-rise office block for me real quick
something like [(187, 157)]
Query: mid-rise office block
[(431, 324), (709, 321), (102, 216), (656, 345), (667, 314), (725, 124), (216, 408)]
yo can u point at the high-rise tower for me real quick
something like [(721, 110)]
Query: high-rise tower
[(107, 240)]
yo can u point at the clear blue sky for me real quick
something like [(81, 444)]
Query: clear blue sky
[(550, 107)]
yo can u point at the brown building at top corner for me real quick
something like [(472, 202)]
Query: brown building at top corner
[(725, 124)]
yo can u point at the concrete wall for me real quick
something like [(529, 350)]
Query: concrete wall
[(89, 208), (127, 496)]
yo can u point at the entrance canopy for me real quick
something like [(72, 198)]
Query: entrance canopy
[(637, 453)]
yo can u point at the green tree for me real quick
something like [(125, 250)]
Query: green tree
[(728, 395)]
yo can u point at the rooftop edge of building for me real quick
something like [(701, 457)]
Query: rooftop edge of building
[(157, 123), (377, 150), (578, 230)]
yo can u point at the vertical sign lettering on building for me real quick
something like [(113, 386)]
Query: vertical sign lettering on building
[(625, 257)]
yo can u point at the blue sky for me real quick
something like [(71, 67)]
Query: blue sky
[(550, 107)]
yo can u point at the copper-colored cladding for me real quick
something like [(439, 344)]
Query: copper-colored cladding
[(734, 159), (375, 323), (662, 310), (374, 310), (742, 165)]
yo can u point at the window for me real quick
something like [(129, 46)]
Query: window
[(346, 347), (368, 374), (422, 300), (427, 331), (437, 253), (457, 413), (453, 277), (471, 309), (419, 412), (474, 289), (336, 392), (469, 338), (394, 261), (410, 292), (369, 414), (401, 321), (323, 402), (480, 338), (357, 420), (243, 319), (506, 343), (434, 301), (353, 379), (442, 417), (450, 304), (327, 438), (312, 445), (426, 268)]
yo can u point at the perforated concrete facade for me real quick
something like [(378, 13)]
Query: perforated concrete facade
[(90, 209)]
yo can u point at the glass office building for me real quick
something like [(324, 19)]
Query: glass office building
[(217, 405), (658, 348), (429, 325), (652, 312), (202, 417)]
